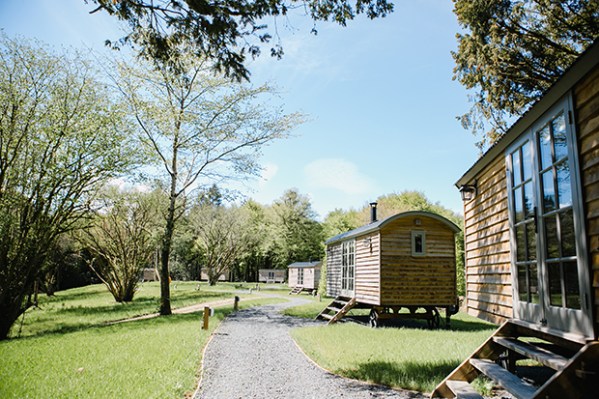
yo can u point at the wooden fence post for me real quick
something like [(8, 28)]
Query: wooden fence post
[(206, 318), (236, 304)]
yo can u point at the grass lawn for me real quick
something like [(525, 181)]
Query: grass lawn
[(410, 356), (67, 350)]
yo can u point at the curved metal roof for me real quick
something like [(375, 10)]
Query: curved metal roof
[(381, 223)]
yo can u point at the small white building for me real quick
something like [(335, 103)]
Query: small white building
[(305, 275)]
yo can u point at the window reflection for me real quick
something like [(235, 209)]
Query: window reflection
[(564, 185), (555, 284), (548, 191), (572, 289), (526, 162), (560, 143), (551, 238), (568, 236), (545, 147), (517, 175)]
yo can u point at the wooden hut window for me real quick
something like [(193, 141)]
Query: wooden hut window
[(418, 243)]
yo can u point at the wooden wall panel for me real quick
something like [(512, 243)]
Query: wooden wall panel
[(487, 243), (368, 287), (586, 99), (334, 270), (417, 280)]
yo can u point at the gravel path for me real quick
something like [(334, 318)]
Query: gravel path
[(252, 355)]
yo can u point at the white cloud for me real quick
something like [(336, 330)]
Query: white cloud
[(338, 174)]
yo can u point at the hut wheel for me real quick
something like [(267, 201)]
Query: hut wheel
[(435, 321), (373, 319)]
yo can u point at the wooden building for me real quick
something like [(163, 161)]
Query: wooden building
[(224, 276), (404, 261), (304, 276), (271, 275), (531, 210)]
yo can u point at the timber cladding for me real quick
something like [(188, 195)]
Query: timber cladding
[(586, 99), (407, 279), (334, 270), (487, 247)]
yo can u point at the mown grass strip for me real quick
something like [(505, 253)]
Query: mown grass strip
[(408, 356), (153, 358)]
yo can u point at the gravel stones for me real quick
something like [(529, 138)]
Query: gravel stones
[(252, 355)]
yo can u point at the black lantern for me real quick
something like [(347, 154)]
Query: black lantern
[(468, 191)]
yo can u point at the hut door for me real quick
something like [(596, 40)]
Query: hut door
[(348, 268), (549, 265)]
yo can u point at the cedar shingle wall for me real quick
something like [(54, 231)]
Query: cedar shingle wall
[(487, 245), (586, 99)]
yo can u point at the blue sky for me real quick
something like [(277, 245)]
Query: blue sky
[(379, 94)]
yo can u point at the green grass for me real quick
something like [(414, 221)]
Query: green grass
[(70, 352), (407, 357)]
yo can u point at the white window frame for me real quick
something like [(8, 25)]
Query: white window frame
[(415, 235)]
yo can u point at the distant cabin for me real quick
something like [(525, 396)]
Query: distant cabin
[(304, 275), (531, 217), (149, 274), (222, 277), (406, 260), (271, 275)]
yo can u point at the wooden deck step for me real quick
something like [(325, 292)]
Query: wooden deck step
[(463, 390), (327, 316), (541, 355), (504, 378), (333, 309)]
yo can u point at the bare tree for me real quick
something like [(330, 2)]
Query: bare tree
[(122, 241), (199, 128)]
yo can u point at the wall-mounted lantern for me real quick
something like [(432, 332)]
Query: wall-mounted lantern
[(468, 191)]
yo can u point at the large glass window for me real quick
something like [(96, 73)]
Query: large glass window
[(348, 266)]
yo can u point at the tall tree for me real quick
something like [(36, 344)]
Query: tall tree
[(295, 234), (200, 128), (513, 50), (222, 236), (225, 31), (61, 136)]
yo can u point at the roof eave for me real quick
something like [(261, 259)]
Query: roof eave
[(579, 69)]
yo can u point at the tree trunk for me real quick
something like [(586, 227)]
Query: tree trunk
[(165, 293)]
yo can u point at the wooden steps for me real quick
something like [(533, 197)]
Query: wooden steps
[(296, 290), (336, 309), (573, 366), (463, 390)]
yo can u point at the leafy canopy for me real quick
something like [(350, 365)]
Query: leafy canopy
[(225, 31), (513, 50)]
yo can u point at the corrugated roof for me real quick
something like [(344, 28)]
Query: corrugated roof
[(379, 224), (583, 65), (302, 265)]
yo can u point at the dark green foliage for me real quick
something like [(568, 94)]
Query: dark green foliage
[(226, 31), (513, 50)]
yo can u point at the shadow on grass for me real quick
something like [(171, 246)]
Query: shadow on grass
[(421, 376)]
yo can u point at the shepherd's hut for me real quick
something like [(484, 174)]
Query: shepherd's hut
[(304, 276), (404, 261), (271, 275)]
